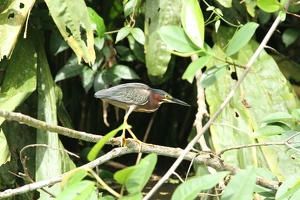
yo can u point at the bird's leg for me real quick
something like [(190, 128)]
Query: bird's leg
[(123, 138)]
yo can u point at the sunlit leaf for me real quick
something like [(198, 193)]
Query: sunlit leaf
[(122, 175), (176, 39), (48, 158), (268, 130), (69, 19), (97, 22), (12, 18), (158, 15), (138, 35), (138, 179), (241, 38), (122, 33), (277, 117), (289, 189), (241, 186), (194, 66), (99, 145), (73, 177), (193, 186), (129, 7), (268, 6), (193, 22), (80, 190)]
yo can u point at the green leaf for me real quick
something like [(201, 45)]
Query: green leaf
[(54, 158), (100, 144), (12, 18), (73, 177), (99, 42), (122, 33), (97, 22), (124, 72), (194, 66), (176, 39), (193, 186), (18, 83), (289, 189), (289, 36), (136, 196), (87, 78), (4, 149), (193, 22), (241, 38), (71, 69), (268, 130), (225, 3), (137, 48), (277, 117), (210, 76), (79, 191), (138, 35), (158, 14), (140, 176), (268, 6), (296, 114), (69, 18), (129, 7), (241, 186), (122, 175)]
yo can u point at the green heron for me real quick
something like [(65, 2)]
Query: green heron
[(135, 97)]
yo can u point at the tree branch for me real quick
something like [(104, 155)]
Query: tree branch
[(206, 158)]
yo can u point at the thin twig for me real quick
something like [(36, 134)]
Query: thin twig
[(221, 108), (145, 137)]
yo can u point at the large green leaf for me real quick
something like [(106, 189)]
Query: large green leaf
[(12, 18), (16, 87), (193, 22), (140, 176), (264, 91), (176, 39), (241, 186), (69, 18), (290, 189), (48, 158), (159, 13), (241, 38), (192, 187)]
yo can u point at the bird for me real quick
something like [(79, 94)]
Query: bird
[(135, 97)]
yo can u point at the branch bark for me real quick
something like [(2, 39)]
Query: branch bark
[(205, 158)]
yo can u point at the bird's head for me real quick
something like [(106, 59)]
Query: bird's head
[(159, 96)]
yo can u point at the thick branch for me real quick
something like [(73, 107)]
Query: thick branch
[(205, 158)]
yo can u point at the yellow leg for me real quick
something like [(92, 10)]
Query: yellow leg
[(123, 138)]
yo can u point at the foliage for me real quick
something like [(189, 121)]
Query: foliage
[(56, 52)]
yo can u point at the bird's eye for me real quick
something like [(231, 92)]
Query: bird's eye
[(167, 96)]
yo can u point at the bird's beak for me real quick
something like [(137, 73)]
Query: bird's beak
[(174, 100)]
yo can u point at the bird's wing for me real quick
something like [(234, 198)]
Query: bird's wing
[(130, 93)]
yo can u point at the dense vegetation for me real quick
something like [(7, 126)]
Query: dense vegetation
[(235, 62)]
